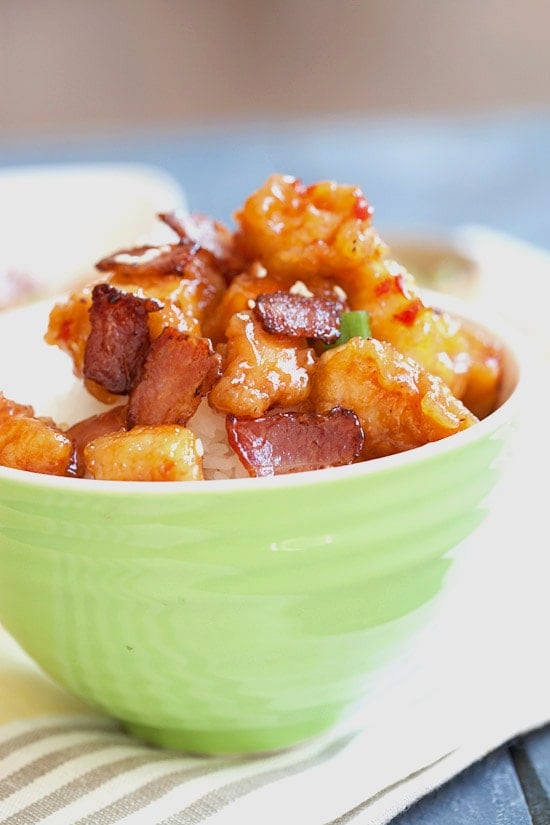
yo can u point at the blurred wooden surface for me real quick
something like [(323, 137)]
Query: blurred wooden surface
[(511, 786), (113, 64)]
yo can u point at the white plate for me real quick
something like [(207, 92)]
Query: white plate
[(56, 221), (41, 374)]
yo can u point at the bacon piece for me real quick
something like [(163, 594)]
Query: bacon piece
[(293, 442), (205, 232), (179, 369), (286, 313), (91, 428), (166, 259), (119, 338)]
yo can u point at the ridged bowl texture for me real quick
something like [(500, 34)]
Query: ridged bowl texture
[(245, 615)]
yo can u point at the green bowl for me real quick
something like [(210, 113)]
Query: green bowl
[(232, 616)]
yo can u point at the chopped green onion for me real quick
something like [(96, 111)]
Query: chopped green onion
[(355, 324)]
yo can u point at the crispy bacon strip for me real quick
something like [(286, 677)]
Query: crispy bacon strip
[(300, 316), (167, 259), (203, 231), (178, 371), (119, 339), (293, 442)]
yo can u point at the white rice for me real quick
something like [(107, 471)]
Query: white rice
[(219, 460)]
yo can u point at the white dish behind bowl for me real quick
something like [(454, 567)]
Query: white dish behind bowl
[(38, 373), (56, 221)]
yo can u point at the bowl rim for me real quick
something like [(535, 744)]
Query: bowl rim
[(519, 353)]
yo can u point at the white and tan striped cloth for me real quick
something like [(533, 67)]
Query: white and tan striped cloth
[(63, 770), (473, 679)]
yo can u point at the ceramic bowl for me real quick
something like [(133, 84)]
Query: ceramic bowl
[(232, 616)]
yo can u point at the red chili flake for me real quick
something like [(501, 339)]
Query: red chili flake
[(65, 330), (362, 209), (408, 316), (385, 286)]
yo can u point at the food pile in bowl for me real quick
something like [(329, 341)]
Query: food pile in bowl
[(328, 437), (291, 343)]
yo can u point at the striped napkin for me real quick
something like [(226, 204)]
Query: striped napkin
[(472, 679)]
